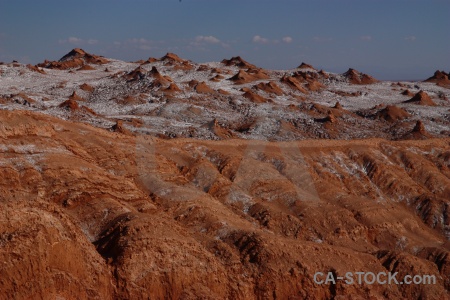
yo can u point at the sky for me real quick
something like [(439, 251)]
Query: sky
[(388, 39)]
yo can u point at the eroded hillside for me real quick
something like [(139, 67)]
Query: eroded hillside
[(88, 213)]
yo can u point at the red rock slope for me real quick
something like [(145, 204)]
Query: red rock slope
[(86, 213)]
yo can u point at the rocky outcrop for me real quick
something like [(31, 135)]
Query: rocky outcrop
[(237, 61), (203, 88), (269, 87), (249, 75), (77, 58), (421, 98), (294, 84), (356, 77), (392, 113), (70, 104), (441, 78), (306, 66), (252, 96)]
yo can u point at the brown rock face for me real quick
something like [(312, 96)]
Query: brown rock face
[(70, 104), (86, 68), (75, 96), (86, 87), (118, 127), (203, 88), (338, 105), (418, 132), (314, 86), (172, 88), (132, 100), (45, 255), (249, 75), (86, 213), (421, 98), (420, 128), (219, 131), (35, 69), (269, 87), (294, 84), (137, 74), (392, 113), (158, 77), (330, 118), (407, 93), (252, 96), (357, 77)]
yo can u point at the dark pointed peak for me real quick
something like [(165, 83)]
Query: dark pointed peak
[(193, 83), (120, 128), (356, 77), (238, 62), (304, 65), (337, 105), (351, 71), (419, 127), (407, 93), (154, 71)]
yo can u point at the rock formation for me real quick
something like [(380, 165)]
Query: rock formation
[(357, 77), (421, 98)]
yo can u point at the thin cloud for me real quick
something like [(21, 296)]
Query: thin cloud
[(74, 40), (287, 39), (207, 39), (257, 39), (201, 41), (78, 41), (140, 43), (367, 38), (411, 38)]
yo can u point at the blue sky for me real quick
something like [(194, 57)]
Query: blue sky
[(396, 39)]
